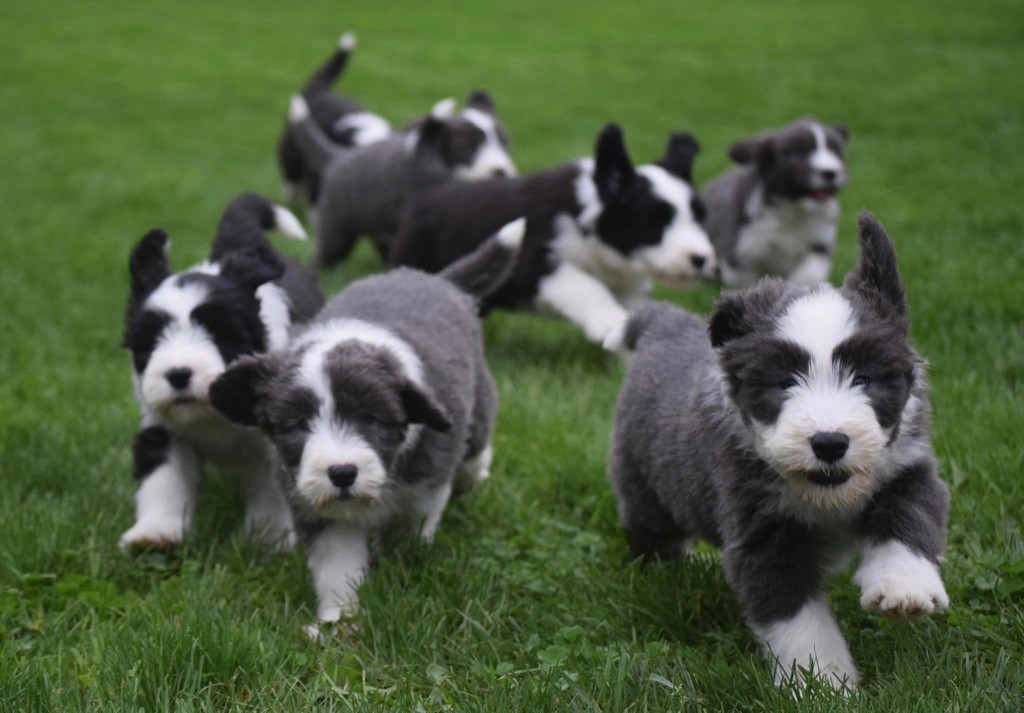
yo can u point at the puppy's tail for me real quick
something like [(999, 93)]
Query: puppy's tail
[(486, 269), (328, 73), (651, 320), (316, 147), (244, 223)]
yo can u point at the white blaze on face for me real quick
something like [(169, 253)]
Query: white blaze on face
[(685, 252), (181, 345), (491, 157), (824, 159), (824, 399)]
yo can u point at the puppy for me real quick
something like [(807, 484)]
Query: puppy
[(597, 231), (363, 190), (380, 409), (776, 213), (183, 330), (793, 437), (342, 119)]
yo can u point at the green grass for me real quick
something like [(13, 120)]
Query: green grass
[(118, 117)]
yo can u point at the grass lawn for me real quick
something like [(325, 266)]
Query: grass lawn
[(118, 117)]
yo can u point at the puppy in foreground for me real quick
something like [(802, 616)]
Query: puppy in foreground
[(183, 330), (380, 410), (343, 120), (794, 438), (777, 211)]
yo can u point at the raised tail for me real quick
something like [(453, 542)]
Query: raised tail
[(244, 223), (316, 147), (327, 73), (486, 269)]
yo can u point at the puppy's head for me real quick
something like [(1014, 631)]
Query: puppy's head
[(650, 216), (822, 377), (183, 329), (472, 144), (339, 412), (803, 160)]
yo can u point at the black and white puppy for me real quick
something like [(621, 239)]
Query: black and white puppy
[(363, 190), (793, 438), (183, 330), (776, 213), (597, 231), (343, 120), (379, 409)]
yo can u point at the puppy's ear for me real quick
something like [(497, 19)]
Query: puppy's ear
[(252, 267), (239, 394), (147, 263), (481, 100), (728, 321), (843, 130), (613, 171), (743, 151), (737, 314), (875, 278), (680, 153), (420, 407)]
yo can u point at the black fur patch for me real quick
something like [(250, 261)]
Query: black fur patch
[(884, 358), (634, 217), (142, 330), (757, 369), (150, 450)]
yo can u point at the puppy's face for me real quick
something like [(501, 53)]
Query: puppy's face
[(474, 145), (183, 329), (822, 377), (339, 412), (803, 160), (651, 216)]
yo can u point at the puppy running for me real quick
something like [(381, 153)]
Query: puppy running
[(776, 213), (380, 409), (183, 330), (343, 120), (797, 436), (597, 231), (363, 190)]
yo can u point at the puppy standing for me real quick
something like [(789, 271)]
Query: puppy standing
[(343, 120), (379, 410), (776, 213), (363, 190), (597, 231), (183, 330), (797, 433)]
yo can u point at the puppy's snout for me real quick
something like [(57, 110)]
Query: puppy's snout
[(499, 173), (830, 446), (342, 476), (179, 378), (698, 261), (829, 176)]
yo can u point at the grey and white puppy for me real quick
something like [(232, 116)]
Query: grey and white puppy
[(380, 409), (363, 189), (793, 438), (776, 213)]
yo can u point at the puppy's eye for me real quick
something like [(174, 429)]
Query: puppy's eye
[(861, 381), (788, 383), (291, 424)]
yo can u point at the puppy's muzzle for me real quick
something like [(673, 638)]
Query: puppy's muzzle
[(343, 476)]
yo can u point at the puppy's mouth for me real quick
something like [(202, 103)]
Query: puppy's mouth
[(827, 478), (824, 194), (184, 399)]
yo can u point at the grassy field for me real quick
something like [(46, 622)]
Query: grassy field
[(118, 117)]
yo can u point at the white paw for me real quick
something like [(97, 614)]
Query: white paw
[(896, 582), (154, 533), (473, 472), (615, 340)]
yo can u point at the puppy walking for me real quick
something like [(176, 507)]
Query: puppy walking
[(794, 438), (380, 410), (183, 330)]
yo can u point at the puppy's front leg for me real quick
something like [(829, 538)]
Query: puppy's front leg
[(775, 573), (168, 472), (429, 510), (338, 559), (904, 534), (583, 300), (267, 516)]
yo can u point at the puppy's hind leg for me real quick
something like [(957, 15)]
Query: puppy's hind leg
[(473, 471), (334, 239), (430, 509)]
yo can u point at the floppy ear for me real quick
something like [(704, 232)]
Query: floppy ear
[(147, 263), (728, 321), (252, 267), (420, 407), (752, 150), (875, 278), (239, 394), (680, 153), (843, 130), (613, 169), (481, 100)]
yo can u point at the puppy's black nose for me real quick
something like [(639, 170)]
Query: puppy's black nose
[(499, 173), (698, 261), (342, 475), (829, 176), (179, 378), (830, 446)]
